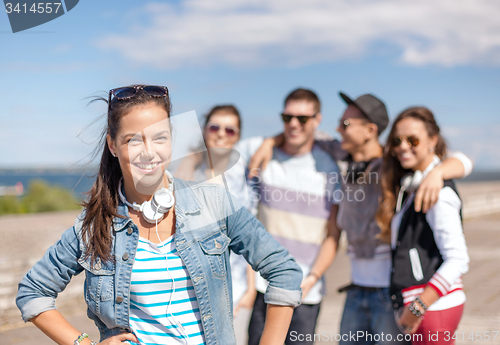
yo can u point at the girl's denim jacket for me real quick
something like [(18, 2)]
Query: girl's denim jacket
[(209, 222)]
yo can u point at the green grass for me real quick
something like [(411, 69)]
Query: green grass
[(40, 197)]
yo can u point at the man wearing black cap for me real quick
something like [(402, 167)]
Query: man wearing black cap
[(368, 308)]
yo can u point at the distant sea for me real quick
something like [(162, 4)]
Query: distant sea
[(80, 182), (482, 176)]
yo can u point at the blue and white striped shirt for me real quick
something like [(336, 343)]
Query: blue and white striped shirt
[(163, 311)]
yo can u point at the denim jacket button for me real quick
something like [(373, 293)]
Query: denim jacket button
[(97, 265), (130, 231), (125, 257), (393, 297), (119, 299)]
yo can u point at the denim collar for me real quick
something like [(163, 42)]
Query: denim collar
[(186, 201)]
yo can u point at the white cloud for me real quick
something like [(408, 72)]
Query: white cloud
[(295, 32)]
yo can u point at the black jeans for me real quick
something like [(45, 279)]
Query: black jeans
[(303, 323)]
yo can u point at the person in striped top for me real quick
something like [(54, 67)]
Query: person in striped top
[(154, 249), (162, 297)]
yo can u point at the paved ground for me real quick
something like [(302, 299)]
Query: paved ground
[(481, 285), (482, 310)]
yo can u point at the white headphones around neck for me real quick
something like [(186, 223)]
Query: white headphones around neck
[(409, 184), (162, 201)]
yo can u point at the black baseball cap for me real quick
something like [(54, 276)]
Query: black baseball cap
[(372, 107)]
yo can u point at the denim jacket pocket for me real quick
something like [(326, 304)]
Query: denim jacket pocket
[(99, 283), (214, 247)]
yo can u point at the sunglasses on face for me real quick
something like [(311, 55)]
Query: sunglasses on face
[(302, 118), (346, 123), (127, 92), (411, 141), (214, 128)]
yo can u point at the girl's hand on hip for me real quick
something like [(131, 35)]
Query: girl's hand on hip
[(246, 301), (409, 321), (307, 283), (118, 339)]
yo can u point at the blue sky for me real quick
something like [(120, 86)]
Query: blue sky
[(442, 54)]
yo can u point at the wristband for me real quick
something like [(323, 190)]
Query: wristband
[(414, 310), (80, 338), (422, 304)]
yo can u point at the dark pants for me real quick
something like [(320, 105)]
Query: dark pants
[(303, 323), (369, 311)]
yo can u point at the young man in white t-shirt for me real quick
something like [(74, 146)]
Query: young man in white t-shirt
[(297, 196)]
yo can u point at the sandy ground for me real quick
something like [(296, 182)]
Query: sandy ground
[(24, 239)]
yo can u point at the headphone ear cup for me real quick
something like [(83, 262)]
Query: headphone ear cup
[(153, 211), (150, 214), (406, 183), (417, 179), (163, 200), (356, 170)]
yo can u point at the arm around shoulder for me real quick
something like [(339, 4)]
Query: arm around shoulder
[(332, 147), (456, 165)]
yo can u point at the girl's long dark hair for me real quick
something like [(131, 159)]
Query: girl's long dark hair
[(103, 199), (393, 172)]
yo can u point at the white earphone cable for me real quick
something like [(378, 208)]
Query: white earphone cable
[(170, 315), (182, 330)]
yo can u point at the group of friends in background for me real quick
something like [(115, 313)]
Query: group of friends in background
[(290, 197), (396, 203)]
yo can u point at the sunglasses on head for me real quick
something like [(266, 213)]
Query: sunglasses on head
[(302, 118), (214, 128), (127, 92), (411, 140)]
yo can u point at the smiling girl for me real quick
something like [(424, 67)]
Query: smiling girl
[(429, 255), (154, 249)]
